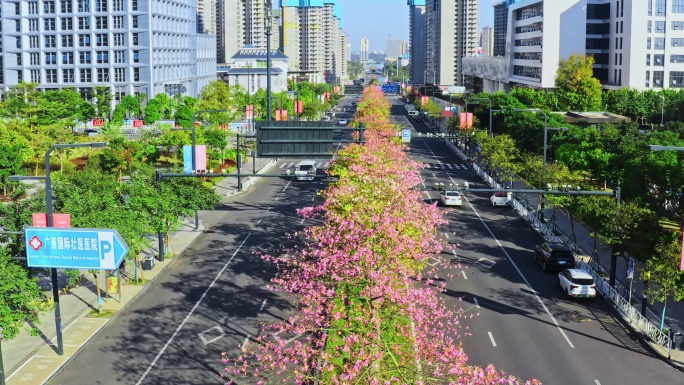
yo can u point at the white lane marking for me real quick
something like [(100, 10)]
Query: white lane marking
[(426, 193), (263, 305), (286, 186), (597, 382), (313, 198), (260, 221), (453, 251), (449, 165), (276, 199), (477, 304), (491, 337), (464, 274), (302, 222), (536, 295), (244, 344), (187, 317), (268, 209), (446, 235)]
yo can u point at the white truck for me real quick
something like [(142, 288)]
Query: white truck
[(305, 170), (409, 107)]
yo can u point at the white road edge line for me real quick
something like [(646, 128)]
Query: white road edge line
[(286, 186), (263, 305), (464, 274), (477, 304), (546, 309), (187, 317), (597, 382), (491, 338)]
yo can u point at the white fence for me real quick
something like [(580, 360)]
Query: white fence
[(632, 315)]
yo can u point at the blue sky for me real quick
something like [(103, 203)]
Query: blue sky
[(375, 19)]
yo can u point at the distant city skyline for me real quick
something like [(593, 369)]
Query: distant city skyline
[(386, 19)]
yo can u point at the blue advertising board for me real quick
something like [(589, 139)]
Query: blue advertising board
[(51, 247), (187, 159), (390, 88)]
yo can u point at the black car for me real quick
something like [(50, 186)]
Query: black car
[(554, 256)]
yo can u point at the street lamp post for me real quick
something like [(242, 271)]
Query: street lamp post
[(662, 110), (546, 121), (269, 25), (2, 366), (49, 214)]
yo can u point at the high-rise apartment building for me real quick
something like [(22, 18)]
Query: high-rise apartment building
[(417, 40), (131, 46), (452, 33), (395, 48), (501, 26), (487, 41), (242, 23), (365, 48), (311, 38)]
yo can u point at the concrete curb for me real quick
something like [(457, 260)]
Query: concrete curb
[(116, 315), (246, 184)]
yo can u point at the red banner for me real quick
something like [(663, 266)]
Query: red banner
[(424, 100), (138, 123), (447, 114), (58, 220), (283, 115), (465, 120), (249, 111), (336, 89), (98, 122), (470, 120), (277, 115), (299, 107)]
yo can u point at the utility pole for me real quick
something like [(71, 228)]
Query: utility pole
[(269, 25)]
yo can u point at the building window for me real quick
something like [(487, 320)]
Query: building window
[(620, 43), (620, 59), (676, 58), (84, 40), (119, 57), (658, 78), (33, 25), (617, 9), (67, 58), (19, 59), (17, 9), (616, 43), (83, 23), (677, 79), (118, 39), (650, 7), (660, 8), (83, 6), (616, 56), (136, 56), (136, 74), (84, 58), (134, 21), (68, 76), (85, 75), (35, 76), (66, 6), (49, 24), (677, 6), (677, 42), (649, 25), (102, 40), (101, 22), (17, 25), (135, 38), (659, 60), (622, 26), (67, 24), (48, 7), (33, 8), (100, 5), (50, 58), (117, 5), (660, 27), (118, 22), (103, 75), (617, 25), (648, 59), (134, 5), (34, 59), (102, 57), (50, 42), (119, 75), (648, 43), (67, 41), (33, 42)]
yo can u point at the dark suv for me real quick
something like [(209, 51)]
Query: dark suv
[(554, 256)]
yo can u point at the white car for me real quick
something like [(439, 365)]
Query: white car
[(342, 122), (450, 198), (499, 199), (577, 283), (305, 170)]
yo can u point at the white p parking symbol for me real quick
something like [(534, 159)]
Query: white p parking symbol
[(106, 241)]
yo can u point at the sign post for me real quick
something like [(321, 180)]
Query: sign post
[(630, 275)]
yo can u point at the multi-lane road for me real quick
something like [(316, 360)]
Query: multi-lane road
[(215, 298)]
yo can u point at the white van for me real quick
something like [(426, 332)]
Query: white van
[(305, 170)]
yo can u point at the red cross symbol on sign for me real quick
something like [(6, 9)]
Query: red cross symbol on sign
[(35, 243)]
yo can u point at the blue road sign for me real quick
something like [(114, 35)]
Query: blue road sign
[(101, 249), (630, 268), (405, 136), (187, 159)]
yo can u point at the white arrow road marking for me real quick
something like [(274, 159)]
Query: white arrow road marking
[(491, 337)]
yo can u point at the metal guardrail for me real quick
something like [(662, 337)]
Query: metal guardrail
[(611, 294)]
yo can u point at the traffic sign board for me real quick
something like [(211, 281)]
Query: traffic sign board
[(49, 247), (406, 136), (630, 268)]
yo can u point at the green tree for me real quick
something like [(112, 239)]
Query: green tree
[(118, 116), (152, 112), (132, 106), (576, 86), (183, 116), (103, 101), (21, 100), (21, 298), (667, 281), (11, 159)]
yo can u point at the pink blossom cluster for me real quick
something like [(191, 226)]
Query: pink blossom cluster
[(368, 308)]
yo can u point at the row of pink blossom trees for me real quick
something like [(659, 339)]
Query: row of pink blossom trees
[(368, 309)]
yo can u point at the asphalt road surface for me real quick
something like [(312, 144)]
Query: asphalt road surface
[(524, 324), (214, 299)]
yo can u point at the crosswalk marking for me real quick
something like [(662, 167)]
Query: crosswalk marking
[(321, 164), (446, 166)]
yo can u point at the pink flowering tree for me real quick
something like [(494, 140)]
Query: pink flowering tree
[(368, 309)]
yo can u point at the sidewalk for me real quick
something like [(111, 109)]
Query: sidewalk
[(33, 359), (585, 242)]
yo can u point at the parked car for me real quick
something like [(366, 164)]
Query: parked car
[(418, 118), (554, 256), (577, 283), (305, 170), (326, 118), (342, 122), (499, 199), (450, 198)]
